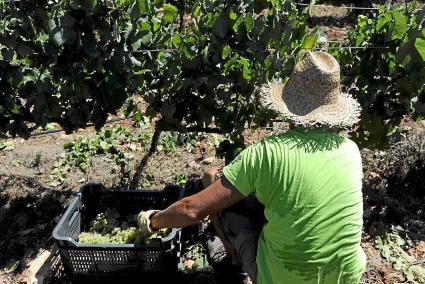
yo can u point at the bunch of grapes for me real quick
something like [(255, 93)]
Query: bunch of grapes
[(93, 238), (107, 229)]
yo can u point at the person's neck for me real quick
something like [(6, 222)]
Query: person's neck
[(302, 128)]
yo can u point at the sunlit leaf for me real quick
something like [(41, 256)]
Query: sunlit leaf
[(420, 47), (246, 68), (309, 42), (399, 26), (143, 6), (137, 117), (226, 52), (197, 12), (176, 40), (249, 22), (170, 13)]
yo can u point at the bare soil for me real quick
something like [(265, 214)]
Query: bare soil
[(30, 207)]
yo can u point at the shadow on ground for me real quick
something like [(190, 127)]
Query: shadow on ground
[(27, 217), (394, 189)]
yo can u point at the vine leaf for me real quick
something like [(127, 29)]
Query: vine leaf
[(394, 23), (400, 25), (170, 12), (420, 46), (309, 41), (143, 6)]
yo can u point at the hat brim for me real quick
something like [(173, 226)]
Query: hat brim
[(343, 113)]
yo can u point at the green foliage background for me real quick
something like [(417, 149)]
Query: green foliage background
[(196, 63), (388, 75), (63, 62), (74, 62)]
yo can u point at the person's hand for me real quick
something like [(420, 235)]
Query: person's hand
[(144, 222)]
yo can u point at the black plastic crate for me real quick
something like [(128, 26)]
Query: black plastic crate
[(102, 260)]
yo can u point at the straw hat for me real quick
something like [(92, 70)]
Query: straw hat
[(312, 95)]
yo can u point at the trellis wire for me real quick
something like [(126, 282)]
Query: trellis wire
[(271, 49), (350, 47), (338, 7), (341, 47), (153, 50)]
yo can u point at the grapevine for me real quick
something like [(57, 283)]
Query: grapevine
[(391, 84)]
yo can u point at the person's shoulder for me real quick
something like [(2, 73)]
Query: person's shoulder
[(349, 146), (350, 142)]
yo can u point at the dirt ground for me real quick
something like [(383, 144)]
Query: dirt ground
[(30, 206)]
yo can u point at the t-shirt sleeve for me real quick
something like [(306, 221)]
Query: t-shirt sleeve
[(243, 170)]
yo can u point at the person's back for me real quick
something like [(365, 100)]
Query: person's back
[(310, 184)]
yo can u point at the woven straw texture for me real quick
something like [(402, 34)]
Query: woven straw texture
[(312, 96)]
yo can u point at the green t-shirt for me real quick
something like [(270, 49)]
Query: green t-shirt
[(310, 184)]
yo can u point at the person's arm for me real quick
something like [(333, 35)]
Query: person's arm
[(193, 209)]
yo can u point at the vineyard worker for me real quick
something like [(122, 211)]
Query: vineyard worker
[(307, 183)]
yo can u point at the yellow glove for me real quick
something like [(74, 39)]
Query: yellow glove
[(144, 222)]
